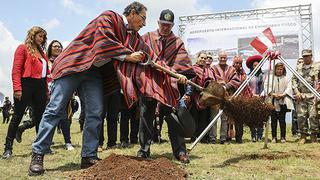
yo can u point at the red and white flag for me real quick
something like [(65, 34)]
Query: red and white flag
[(264, 41)]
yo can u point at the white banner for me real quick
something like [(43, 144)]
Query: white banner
[(235, 35), (1, 99)]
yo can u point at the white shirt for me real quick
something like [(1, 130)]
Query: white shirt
[(44, 68)]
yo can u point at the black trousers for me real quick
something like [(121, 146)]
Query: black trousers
[(147, 116), (126, 115), (34, 94), (202, 119), (111, 107), (239, 131), (281, 117), (83, 115), (294, 127), (6, 116)]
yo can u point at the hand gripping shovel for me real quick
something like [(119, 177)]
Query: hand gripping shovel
[(215, 92)]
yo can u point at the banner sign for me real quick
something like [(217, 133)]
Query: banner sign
[(235, 36)]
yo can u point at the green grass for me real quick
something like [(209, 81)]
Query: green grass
[(230, 161)]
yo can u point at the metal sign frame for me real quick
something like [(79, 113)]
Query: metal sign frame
[(304, 11)]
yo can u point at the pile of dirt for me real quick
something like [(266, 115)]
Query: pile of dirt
[(128, 167)]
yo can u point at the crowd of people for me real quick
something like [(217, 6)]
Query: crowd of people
[(102, 66)]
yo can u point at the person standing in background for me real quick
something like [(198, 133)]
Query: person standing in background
[(6, 110), (225, 75), (257, 86), (309, 70), (29, 79), (281, 94), (237, 64)]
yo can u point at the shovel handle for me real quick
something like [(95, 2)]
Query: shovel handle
[(169, 72)]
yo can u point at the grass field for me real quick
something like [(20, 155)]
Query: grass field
[(229, 161)]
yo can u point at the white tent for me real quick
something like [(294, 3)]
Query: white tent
[(1, 98)]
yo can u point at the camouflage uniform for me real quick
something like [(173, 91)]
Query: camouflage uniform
[(306, 107)]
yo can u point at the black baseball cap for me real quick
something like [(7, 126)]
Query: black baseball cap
[(166, 16)]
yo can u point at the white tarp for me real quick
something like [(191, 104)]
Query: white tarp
[(1, 98)]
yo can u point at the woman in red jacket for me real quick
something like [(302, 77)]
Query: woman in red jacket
[(29, 72)]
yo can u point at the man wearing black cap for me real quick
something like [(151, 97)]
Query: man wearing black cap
[(170, 49)]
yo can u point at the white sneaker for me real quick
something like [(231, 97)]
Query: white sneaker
[(69, 147)]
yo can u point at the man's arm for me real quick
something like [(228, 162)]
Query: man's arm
[(294, 81)]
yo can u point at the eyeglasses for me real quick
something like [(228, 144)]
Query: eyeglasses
[(203, 57), (142, 17), (57, 46), (209, 57)]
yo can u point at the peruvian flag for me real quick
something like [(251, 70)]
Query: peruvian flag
[(264, 41)]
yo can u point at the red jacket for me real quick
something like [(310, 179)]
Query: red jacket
[(25, 65)]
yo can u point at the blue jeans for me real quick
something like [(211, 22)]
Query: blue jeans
[(256, 133), (89, 84)]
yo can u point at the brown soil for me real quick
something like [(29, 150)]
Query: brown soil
[(283, 155), (252, 111), (128, 167)]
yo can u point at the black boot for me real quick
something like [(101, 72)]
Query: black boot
[(25, 125), (20, 130), (7, 148), (86, 162), (36, 165)]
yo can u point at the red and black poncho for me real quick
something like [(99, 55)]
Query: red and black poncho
[(105, 38)]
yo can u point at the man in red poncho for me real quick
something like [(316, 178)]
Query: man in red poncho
[(225, 75), (110, 43), (201, 113), (171, 51), (237, 64)]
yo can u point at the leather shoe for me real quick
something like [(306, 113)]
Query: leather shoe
[(19, 135), (7, 154), (142, 154), (86, 162), (184, 158), (124, 145), (112, 147), (36, 165)]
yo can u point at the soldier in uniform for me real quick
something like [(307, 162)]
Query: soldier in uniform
[(309, 70)]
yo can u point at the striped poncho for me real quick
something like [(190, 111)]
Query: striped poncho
[(171, 50), (226, 76), (105, 38), (242, 77), (204, 74)]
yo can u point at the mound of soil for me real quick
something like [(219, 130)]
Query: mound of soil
[(128, 167)]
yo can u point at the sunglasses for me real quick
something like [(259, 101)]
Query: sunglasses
[(57, 46)]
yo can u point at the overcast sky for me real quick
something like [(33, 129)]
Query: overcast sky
[(64, 19)]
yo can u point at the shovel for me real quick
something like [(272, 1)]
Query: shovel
[(182, 116), (214, 92)]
